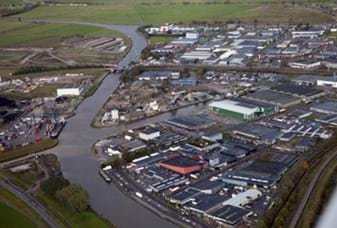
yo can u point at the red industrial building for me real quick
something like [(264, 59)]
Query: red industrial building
[(183, 165)]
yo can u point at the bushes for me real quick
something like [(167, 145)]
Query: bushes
[(54, 184), (69, 195)]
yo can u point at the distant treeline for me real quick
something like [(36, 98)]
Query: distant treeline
[(37, 69), (8, 11), (186, 3)]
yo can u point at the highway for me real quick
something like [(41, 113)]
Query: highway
[(31, 201)]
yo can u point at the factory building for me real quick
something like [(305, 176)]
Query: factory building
[(149, 134), (183, 165), (241, 108)]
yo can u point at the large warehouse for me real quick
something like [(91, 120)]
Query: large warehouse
[(182, 165), (241, 108)]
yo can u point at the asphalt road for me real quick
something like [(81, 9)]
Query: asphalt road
[(33, 203)]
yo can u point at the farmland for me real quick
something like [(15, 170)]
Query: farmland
[(158, 12), (16, 34)]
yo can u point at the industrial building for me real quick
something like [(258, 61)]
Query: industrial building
[(229, 215), (261, 172), (241, 108), (327, 107), (302, 91), (183, 165), (209, 187), (149, 134), (158, 75), (192, 122), (236, 150), (204, 203), (257, 133), (325, 81), (275, 98), (70, 90)]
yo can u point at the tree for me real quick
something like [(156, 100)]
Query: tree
[(54, 184), (74, 197)]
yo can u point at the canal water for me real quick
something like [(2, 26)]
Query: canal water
[(78, 162)]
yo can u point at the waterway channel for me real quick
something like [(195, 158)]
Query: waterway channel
[(79, 164)]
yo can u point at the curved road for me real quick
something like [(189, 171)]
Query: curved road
[(74, 149)]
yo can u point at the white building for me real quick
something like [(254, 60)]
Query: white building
[(114, 114), (308, 33), (329, 82), (70, 91), (192, 35), (305, 64), (196, 55), (149, 134), (243, 198)]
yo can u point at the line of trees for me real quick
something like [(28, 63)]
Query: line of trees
[(72, 196)]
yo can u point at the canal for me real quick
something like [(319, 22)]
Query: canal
[(78, 162)]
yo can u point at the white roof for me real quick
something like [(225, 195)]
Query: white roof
[(233, 106), (243, 198)]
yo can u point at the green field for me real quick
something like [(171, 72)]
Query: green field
[(12, 218), (159, 39), (23, 214), (68, 218), (16, 34), (158, 12)]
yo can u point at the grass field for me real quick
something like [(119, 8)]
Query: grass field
[(16, 34), (12, 218), (70, 219), (26, 150), (159, 39), (136, 12), (17, 208)]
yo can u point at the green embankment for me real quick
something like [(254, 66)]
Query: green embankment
[(26, 150)]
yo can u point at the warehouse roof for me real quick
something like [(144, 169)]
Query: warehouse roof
[(300, 90), (181, 161), (327, 106), (235, 106), (184, 196), (229, 214), (272, 96), (191, 122), (207, 184), (204, 203)]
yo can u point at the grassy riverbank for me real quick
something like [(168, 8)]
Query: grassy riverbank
[(26, 150)]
